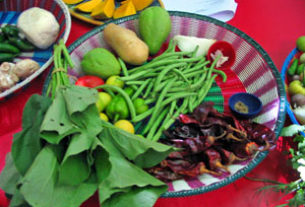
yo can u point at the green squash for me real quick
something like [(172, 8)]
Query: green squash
[(155, 26)]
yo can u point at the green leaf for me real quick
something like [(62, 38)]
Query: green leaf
[(39, 181), (9, 176), (57, 124), (74, 170), (79, 98), (40, 188), (143, 152), (292, 130), (136, 197), (18, 200), (123, 175), (26, 144)]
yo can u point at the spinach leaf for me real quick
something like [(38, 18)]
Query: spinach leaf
[(74, 170), (123, 176), (143, 152), (26, 144), (40, 186), (9, 176), (136, 197), (57, 124)]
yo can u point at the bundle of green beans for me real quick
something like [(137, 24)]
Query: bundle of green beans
[(173, 83)]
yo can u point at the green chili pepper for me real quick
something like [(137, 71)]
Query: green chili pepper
[(23, 45), (300, 68), (6, 57), (293, 67), (140, 105), (10, 31), (7, 48)]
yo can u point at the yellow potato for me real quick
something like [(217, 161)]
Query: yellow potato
[(126, 44)]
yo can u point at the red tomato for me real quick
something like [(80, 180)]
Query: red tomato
[(89, 81)]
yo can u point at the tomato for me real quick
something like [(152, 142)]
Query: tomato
[(89, 81)]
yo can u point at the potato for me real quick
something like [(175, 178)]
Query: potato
[(126, 44)]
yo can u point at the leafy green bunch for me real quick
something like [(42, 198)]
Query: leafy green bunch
[(296, 187)]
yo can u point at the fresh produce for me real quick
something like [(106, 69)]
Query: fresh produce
[(125, 125), (104, 10), (170, 80), (301, 43), (72, 1), (74, 153), (118, 107), (11, 45), (296, 87), (126, 44), (140, 106), (39, 26), (115, 81), (103, 101), (154, 26), (11, 73), (100, 62), (299, 112), (189, 44), (104, 117), (210, 148), (298, 100), (126, 9), (88, 6), (89, 81), (141, 4)]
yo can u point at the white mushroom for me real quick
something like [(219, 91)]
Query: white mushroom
[(39, 26), (25, 67)]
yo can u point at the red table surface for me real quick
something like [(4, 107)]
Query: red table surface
[(275, 25)]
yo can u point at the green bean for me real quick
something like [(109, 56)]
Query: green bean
[(162, 63), (177, 96), (123, 66), (191, 87), (140, 82), (167, 123), (139, 91), (163, 73), (148, 89), (221, 73), (202, 93), (124, 95), (178, 72), (134, 76), (158, 107), (66, 53), (213, 66), (196, 67), (170, 55), (155, 125), (110, 92)]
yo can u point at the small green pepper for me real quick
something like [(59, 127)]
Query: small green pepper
[(117, 108), (300, 68), (140, 105), (7, 48), (293, 67), (10, 31), (23, 45), (6, 57)]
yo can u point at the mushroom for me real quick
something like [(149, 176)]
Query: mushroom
[(25, 67)]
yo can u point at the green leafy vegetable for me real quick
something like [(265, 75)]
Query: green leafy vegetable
[(34, 112)]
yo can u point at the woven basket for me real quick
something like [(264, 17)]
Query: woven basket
[(11, 9), (253, 72), (284, 77)]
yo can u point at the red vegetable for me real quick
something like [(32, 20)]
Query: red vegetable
[(89, 81)]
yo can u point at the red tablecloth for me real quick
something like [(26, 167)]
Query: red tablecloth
[(275, 25)]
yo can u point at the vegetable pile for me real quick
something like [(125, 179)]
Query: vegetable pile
[(73, 153), (210, 141)]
